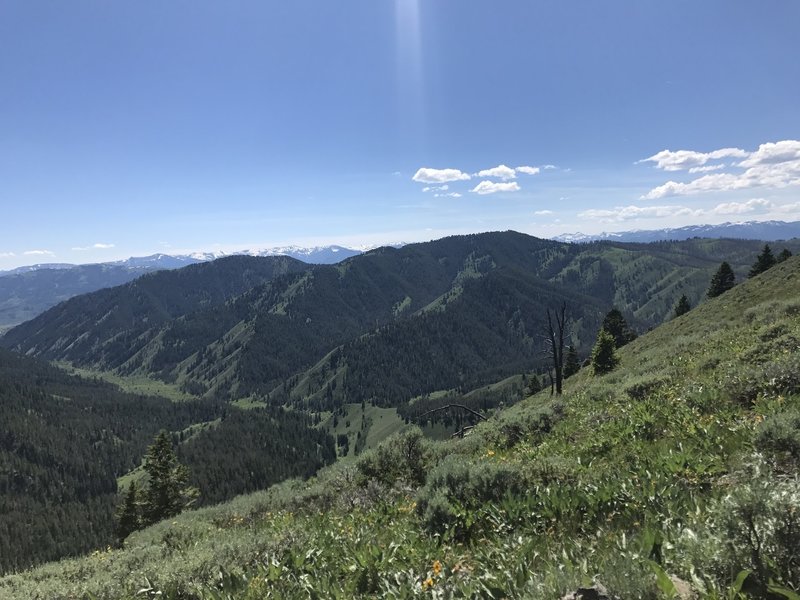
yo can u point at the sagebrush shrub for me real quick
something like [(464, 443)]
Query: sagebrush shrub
[(754, 527), (402, 458), (780, 433), (458, 486)]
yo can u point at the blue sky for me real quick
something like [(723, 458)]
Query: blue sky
[(128, 128)]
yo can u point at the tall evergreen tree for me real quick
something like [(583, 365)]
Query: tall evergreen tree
[(682, 306), (615, 324), (571, 364), (604, 358), (127, 517), (168, 491), (764, 261), (723, 280), (785, 253)]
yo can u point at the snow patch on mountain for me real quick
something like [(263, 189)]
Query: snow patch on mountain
[(769, 231)]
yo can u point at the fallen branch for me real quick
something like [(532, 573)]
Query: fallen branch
[(461, 406)]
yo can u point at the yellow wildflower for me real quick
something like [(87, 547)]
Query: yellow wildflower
[(428, 583), (437, 567)]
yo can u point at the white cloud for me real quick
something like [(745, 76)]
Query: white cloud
[(98, 246), (786, 151), (500, 172), (490, 187), (685, 159), (739, 208), (542, 213), (707, 168), (448, 195), (436, 188), (775, 165), (427, 175), (627, 213), (546, 167), (528, 170), (38, 253), (6, 254), (788, 208)]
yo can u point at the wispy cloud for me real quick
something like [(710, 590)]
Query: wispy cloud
[(707, 168), (794, 207), (627, 213), (7, 254), (774, 165), (491, 187), (681, 160), (39, 253), (448, 195), (740, 208), (436, 188), (543, 213), (428, 175), (98, 246)]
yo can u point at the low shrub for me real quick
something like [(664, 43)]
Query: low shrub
[(403, 458), (780, 434), (777, 377), (457, 488), (753, 528)]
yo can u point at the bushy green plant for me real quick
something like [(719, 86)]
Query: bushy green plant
[(512, 429), (780, 433), (458, 487), (402, 458), (781, 376), (752, 528)]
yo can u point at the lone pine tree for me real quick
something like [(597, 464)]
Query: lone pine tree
[(764, 261), (616, 325), (722, 281), (168, 491), (127, 517), (604, 358), (682, 306)]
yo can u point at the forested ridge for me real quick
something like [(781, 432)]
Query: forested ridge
[(474, 303), (65, 440)]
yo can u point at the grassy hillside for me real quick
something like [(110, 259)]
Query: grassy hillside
[(675, 472)]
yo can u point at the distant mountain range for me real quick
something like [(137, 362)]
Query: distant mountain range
[(769, 231), (384, 327), (318, 255), (28, 291)]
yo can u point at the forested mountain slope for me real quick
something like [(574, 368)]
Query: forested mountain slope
[(458, 312), (27, 294), (674, 473), (110, 320), (65, 440)]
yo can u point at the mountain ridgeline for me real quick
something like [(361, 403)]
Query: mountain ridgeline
[(384, 327)]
